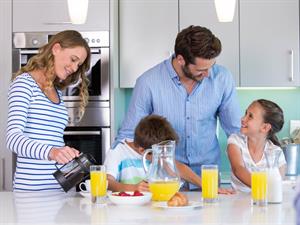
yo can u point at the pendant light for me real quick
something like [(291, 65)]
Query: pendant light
[(78, 11), (225, 10)]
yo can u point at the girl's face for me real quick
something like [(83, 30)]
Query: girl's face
[(67, 60), (253, 122)]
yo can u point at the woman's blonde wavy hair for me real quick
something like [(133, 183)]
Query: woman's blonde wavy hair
[(44, 59)]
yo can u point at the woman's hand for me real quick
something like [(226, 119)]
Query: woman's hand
[(63, 155), (226, 191)]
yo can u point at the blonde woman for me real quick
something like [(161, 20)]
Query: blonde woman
[(37, 115)]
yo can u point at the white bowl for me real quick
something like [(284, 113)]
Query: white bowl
[(130, 200)]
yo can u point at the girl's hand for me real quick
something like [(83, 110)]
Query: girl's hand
[(142, 186), (63, 155), (226, 191)]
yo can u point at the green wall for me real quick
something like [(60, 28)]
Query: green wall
[(288, 100)]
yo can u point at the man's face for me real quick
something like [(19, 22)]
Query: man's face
[(199, 70)]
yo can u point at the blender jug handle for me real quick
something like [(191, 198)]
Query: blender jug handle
[(144, 158)]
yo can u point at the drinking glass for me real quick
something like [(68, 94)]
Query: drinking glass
[(209, 177), (98, 183), (259, 187)]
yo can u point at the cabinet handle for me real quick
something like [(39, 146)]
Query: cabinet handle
[(291, 52)]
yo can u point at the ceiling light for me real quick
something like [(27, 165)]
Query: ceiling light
[(78, 11), (225, 10)]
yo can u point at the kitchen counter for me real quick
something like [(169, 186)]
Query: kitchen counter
[(72, 208)]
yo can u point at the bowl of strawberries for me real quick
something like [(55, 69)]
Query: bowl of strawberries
[(130, 197)]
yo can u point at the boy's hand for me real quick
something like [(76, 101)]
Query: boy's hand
[(226, 191), (142, 186)]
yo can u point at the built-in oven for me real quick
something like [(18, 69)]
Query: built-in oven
[(91, 134)]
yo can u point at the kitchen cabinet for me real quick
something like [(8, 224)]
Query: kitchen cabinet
[(269, 43), (260, 47), (203, 13), (5, 71), (147, 33), (53, 15)]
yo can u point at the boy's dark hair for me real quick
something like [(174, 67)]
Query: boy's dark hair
[(196, 41), (153, 129)]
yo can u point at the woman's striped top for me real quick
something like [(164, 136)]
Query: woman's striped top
[(35, 124)]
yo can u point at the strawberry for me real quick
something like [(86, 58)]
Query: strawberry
[(122, 193), (137, 193)]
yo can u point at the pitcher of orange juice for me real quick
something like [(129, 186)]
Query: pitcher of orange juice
[(162, 174)]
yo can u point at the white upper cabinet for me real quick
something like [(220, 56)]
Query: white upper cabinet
[(148, 29), (269, 43), (53, 15), (203, 13)]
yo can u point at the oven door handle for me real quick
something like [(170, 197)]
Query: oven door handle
[(26, 51), (82, 133)]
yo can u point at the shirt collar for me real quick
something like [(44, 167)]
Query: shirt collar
[(172, 72)]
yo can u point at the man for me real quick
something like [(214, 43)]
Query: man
[(192, 92)]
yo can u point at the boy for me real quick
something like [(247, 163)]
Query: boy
[(124, 164)]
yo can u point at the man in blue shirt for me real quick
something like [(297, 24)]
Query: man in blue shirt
[(192, 92)]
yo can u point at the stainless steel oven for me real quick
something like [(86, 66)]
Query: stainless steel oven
[(92, 133)]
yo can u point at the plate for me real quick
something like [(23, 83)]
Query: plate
[(130, 200), (191, 205)]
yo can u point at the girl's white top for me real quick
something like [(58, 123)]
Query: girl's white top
[(241, 141)]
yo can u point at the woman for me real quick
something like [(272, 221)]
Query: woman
[(37, 115)]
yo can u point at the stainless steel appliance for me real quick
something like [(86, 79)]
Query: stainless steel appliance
[(92, 133), (292, 156)]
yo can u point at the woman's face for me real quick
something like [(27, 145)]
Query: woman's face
[(67, 60)]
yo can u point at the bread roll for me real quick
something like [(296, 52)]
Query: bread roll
[(178, 199)]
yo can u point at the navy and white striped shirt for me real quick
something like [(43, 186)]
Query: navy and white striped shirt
[(193, 116), (35, 124)]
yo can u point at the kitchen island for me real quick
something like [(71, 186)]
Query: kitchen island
[(72, 208)]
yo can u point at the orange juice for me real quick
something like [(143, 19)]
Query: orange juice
[(209, 184), (163, 191), (259, 186), (98, 183)]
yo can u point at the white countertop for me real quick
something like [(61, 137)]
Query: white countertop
[(60, 208)]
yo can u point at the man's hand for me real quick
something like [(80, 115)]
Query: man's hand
[(64, 154)]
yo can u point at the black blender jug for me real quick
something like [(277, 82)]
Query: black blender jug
[(72, 173)]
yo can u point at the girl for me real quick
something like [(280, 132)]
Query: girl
[(262, 120)]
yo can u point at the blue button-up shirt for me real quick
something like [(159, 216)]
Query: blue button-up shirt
[(193, 116)]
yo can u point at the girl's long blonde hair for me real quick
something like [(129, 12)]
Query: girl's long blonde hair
[(44, 60)]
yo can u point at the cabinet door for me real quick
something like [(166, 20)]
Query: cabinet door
[(53, 15), (269, 43), (148, 29), (203, 13)]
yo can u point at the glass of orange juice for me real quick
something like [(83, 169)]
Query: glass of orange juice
[(209, 179), (259, 187), (98, 183)]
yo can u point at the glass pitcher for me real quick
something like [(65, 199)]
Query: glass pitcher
[(162, 174), (274, 179)]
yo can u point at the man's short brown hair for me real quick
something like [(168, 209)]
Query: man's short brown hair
[(196, 41), (153, 129)]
